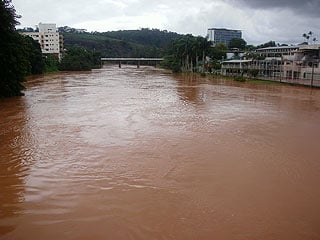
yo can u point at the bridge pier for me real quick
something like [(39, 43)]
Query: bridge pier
[(139, 61)]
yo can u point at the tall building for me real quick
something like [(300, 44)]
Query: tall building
[(50, 40), (223, 35)]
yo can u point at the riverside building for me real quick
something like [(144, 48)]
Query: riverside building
[(51, 42), (291, 64)]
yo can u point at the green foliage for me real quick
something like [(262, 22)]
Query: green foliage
[(170, 62), (237, 43), (144, 36), (239, 79), (126, 43), (308, 36), (214, 64), (51, 64), (185, 53), (19, 55), (254, 72), (267, 44), (218, 52), (254, 56), (34, 55), (250, 48), (79, 59), (14, 64), (8, 17)]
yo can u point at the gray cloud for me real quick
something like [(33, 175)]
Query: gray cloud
[(261, 21), (300, 7)]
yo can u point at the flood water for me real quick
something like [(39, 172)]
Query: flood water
[(143, 154)]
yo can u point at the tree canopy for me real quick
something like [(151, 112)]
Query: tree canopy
[(186, 52), (124, 43), (237, 43), (79, 59), (13, 60), (267, 44), (19, 55)]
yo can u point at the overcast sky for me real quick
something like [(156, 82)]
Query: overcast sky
[(283, 21)]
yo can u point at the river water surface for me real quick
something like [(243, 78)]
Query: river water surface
[(142, 154)]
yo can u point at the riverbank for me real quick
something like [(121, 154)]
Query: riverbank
[(254, 80)]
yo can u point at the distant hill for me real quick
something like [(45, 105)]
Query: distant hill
[(124, 43)]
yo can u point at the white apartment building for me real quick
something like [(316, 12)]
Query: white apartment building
[(50, 40)]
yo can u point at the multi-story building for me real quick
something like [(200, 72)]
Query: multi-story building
[(50, 40), (223, 35), (304, 64), (293, 64), (279, 53)]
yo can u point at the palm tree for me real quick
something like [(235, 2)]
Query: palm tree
[(204, 47), (186, 51), (314, 40), (306, 36)]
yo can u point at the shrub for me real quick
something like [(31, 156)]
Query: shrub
[(239, 79)]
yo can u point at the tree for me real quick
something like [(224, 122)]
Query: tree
[(79, 59), (8, 17), (184, 53), (237, 43), (51, 64), (308, 36), (218, 52), (267, 44), (34, 55), (205, 45), (14, 62)]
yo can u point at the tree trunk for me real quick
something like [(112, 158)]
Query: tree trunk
[(191, 65), (187, 62), (203, 61), (197, 62)]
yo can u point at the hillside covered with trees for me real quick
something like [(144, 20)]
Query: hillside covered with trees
[(125, 43)]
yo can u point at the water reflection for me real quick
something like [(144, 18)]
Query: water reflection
[(189, 88)]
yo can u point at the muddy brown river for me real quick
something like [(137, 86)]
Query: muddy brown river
[(143, 154)]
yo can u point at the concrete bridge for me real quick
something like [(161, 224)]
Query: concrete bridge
[(137, 60)]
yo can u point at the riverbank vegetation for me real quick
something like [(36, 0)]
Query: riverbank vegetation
[(80, 59), (194, 54), (19, 55), (187, 53), (242, 79)]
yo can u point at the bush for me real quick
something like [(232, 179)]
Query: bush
[(51, 64), (254, 72), (79, 59), (239, 79)]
